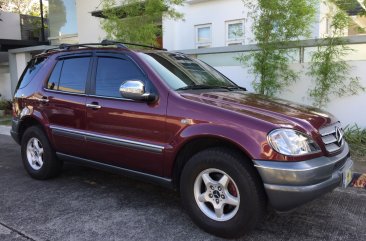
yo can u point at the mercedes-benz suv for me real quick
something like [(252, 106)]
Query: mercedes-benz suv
[(170, 119)]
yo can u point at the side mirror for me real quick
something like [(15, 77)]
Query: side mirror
[(135, 90)]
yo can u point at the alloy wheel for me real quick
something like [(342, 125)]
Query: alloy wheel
[(216, 194), (35, 153)]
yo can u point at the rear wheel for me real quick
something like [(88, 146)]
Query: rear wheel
[(222, 193), (39, 159)]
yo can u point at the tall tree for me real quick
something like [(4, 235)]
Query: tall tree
[(275, 24), (136, 20)]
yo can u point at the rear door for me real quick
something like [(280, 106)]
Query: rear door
[(66, 95), (122, 132)]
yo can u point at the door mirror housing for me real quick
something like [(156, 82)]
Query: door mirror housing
[(135, 90)]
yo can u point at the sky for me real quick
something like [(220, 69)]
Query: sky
[(71, 21)]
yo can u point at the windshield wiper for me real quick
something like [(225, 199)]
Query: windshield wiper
[(237, 88), (199, 87)]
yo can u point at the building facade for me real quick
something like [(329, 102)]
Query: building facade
[(16, 31), (217, 32), (218, 23)]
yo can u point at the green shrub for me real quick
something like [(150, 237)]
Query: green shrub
[(5, 105), (356, 138), (355, 134)]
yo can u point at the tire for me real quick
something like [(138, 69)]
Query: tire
[(227, 206), (38, 157)]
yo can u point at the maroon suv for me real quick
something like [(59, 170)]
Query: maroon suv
[(173, 120)]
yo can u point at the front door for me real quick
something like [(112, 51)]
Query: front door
[(121, 132)]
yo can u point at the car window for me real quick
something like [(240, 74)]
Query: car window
[(30, 71), (73, 75), (179, 71), (111, 73), (55, 77)]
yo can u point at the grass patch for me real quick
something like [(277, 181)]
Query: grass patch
[(5, 123), (5, 120), (356, 138)]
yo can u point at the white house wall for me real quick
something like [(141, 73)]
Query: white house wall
[(349, 110), (180, 34), (10, 26), (5, 85), (89, 27)]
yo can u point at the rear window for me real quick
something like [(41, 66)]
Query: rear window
[(30, 71), (70, 75)]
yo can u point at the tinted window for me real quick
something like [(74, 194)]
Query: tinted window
[(111, 72), (31, 70), (73, 75), (55, 77)]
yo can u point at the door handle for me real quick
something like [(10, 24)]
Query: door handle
[(44, 99), (93, 106)]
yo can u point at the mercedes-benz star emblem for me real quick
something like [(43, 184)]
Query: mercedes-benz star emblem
[(339, 135)]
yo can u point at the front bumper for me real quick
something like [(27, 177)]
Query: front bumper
[(291, 184)]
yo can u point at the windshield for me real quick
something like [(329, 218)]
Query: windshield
[(181, 72)]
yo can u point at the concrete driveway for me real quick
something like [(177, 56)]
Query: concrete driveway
[(86, 204)]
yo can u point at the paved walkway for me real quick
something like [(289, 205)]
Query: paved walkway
[(5, 130), (86, 204)]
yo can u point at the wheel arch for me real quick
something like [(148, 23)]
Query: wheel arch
[(199, 143), (29, 121)]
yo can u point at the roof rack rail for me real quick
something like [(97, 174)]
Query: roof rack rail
[(105, 42), (112, 42), (70, 46)]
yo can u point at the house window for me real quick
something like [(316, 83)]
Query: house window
[(203, 36), (235, 32)]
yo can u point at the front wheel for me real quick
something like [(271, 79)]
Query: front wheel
[(222, 193)]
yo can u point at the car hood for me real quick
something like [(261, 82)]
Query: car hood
[(277, 111)]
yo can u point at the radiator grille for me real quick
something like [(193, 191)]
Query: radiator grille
[(333, 137)]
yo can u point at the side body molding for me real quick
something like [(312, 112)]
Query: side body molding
[(85, 135)]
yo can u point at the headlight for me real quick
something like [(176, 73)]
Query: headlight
[(292, 143)]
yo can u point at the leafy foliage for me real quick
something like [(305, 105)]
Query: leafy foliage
[(27, 7), (356, 138), (355, 134), (349, 5), (5, 104), (138, 21), (355, 8), (328, 68), (276, 23)]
